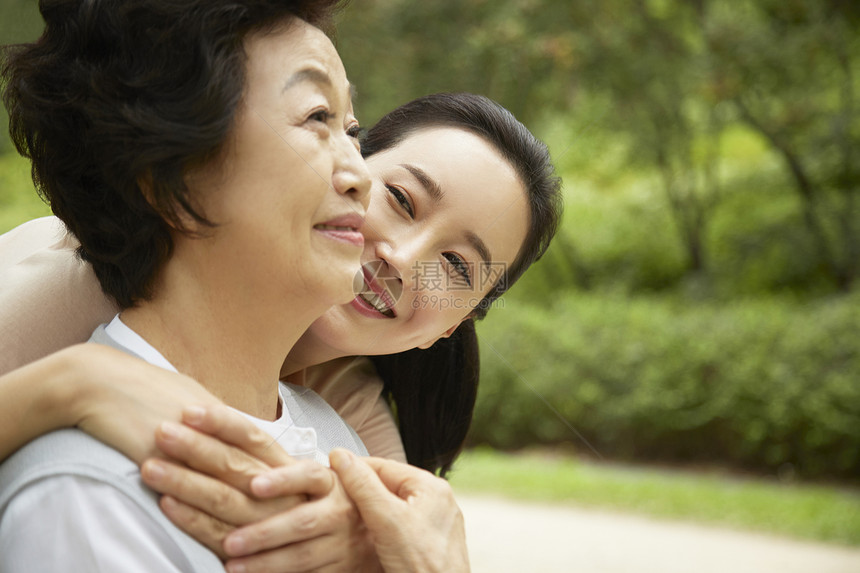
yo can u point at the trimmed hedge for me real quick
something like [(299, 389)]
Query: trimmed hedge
[(767, 385)]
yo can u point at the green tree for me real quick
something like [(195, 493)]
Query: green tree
[(19, 22), (791, 70)]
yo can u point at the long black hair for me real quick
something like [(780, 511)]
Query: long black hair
[(433, 391)]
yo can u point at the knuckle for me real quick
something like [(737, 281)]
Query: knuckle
[(220, 499), (197, 522), (442, 487), (319, 474), (235, 464), (260, 534), (174, 483), (259, 440), (350, 513), (307, 522)]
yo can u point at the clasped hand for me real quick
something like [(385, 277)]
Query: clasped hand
[(214, 489)]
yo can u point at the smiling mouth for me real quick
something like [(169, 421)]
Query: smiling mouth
[(376, 293), (377, 302), (345, 228)]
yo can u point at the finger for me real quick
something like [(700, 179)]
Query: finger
[(377, 505), (231, 427), (303, 477), (202, 527), (407, 482), (398, 478), (203, 492), (317, 556), (311, 520), (208, 455)]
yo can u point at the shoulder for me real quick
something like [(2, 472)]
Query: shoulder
[(29, 238), (68, 452), (353, 388), (77, 492), (350, 385), (43, 284)]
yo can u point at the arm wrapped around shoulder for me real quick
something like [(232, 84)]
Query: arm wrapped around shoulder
[(49, 298)]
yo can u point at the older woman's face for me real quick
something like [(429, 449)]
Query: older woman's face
[(290, 193), (447, 215)]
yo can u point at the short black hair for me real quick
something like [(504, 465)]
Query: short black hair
[(116, 95)]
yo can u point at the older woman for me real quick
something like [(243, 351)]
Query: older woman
[(408, 193), (173, 222)]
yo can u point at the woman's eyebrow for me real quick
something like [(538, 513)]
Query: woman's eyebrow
[(314, 75), (430, 185)]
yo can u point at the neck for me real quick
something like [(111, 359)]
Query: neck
[(308, 351), (233, 345)]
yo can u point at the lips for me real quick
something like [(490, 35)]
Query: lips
[(344, 228)]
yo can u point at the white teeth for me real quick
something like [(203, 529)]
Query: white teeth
[(334, 228), (376, 302)]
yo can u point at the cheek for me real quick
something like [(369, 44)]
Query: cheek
[(446, 313)]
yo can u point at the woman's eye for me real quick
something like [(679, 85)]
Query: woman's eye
[(460, 266), (321, 115), (400, 197), (355, 131)]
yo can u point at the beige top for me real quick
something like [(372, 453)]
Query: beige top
[(50, 299)]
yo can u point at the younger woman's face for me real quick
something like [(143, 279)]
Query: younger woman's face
[(447, 215)]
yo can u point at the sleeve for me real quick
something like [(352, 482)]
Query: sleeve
[(352, 387), (380, 434), (49, 298), (78, 524)]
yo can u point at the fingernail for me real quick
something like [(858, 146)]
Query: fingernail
[(154, 470), (170, 430), (236, 567), (235, 544), (340, 459), (193, 414), (262, 484)]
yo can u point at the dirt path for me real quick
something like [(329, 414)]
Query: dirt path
[(506, 536)]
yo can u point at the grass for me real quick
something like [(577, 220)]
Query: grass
[(811, 512), (18, 199)]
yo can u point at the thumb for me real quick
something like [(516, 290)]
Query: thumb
[(362, 484)]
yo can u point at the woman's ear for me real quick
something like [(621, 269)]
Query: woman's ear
[(447, 333)]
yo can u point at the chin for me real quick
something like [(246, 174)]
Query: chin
[(337, 329), (335, 286)]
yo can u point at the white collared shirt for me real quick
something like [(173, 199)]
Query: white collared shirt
[(76, 524)]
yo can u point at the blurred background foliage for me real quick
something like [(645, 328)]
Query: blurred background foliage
[(700, 303)]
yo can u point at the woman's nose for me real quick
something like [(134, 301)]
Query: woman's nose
[(404, 254), (351, 177)]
